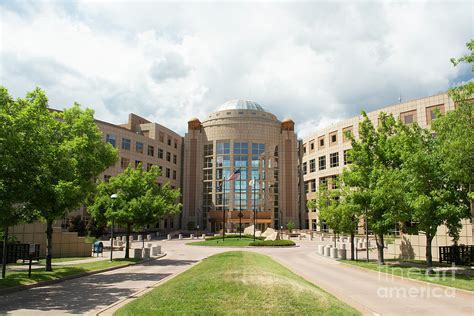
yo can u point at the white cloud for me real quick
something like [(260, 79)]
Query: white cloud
[(315, 62)]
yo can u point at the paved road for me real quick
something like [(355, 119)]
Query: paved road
[(90, 294), (365, 290), (371, 292)]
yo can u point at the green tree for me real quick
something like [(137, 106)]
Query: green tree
[(290, 226), (433, 196), (374, 157), (455, 129), (140, 199), (24, 137), (75, 156), (337, 207)]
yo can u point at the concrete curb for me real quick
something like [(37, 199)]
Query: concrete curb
[(110, 309), (426, 283), (18, 288)]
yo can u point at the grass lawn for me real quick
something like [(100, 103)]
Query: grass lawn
[(237, 283), (413, 270), (15, 278), (228, 242)]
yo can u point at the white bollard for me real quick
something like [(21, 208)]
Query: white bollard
[(124, 238), (169, 237), (342, 253), (180, 236), (146, 253), (148, 237), (321, 250), (321, 238), (327, 251), (137, 253), (191, 236), (299, 237), (311, 237), (140, 238), (203, 236), (155, 251), (333, 253)]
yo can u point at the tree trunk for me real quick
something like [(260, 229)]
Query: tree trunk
[(352, 245), (127, 243), (4, 260), (429, 256), (380, 246), (49, 244)]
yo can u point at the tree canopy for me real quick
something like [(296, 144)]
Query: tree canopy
[(140, 199)]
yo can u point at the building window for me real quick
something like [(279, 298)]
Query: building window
[(175, 159), (168, 156), (137, 163), (160, 153), (110, 138), (313, 185), (306, 187), (431, 112), (169, 141), (151, 150), (208, 149), (174, 174), (168, 172), (241, 149), (126, 143), (223, 148), (333, 160), (322, 162), (321, 142), (408, 117), (311, 146), (312, 165), (148, 166), (161, 137), (333, 182), (175, 143), (139, 147), (107, 178), (124, 162), (314, 224), (346, 134), (304, 149), (333, 138), (347, 157), (305, 168)]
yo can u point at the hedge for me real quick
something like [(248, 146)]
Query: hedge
[(272, 243), (234, 236)]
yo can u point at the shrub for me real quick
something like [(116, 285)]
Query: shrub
[(290, 225), (272, 243), (233, 236)]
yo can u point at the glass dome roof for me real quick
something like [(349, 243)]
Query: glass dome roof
[(241, 105)]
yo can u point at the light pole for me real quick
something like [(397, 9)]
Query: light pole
[(252, 185), (367, 234), (223, 209), (113, 197)]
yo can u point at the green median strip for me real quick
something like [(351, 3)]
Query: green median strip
[(459, 279), (237, 283), (241, 242), (17, 278)]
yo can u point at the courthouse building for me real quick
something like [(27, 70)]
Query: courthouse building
[(241, 137)]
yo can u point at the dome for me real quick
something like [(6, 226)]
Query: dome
[(241, 105)]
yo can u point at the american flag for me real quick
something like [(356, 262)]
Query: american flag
[(235, 175)]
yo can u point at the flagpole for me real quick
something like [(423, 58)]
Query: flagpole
[(240, 206), (254, 208), (223, 213)]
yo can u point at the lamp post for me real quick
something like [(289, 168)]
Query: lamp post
[(223, 209), (252, 185), (367, 234), (113, 197)]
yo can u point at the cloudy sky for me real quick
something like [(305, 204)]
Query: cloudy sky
[(317, 62)]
